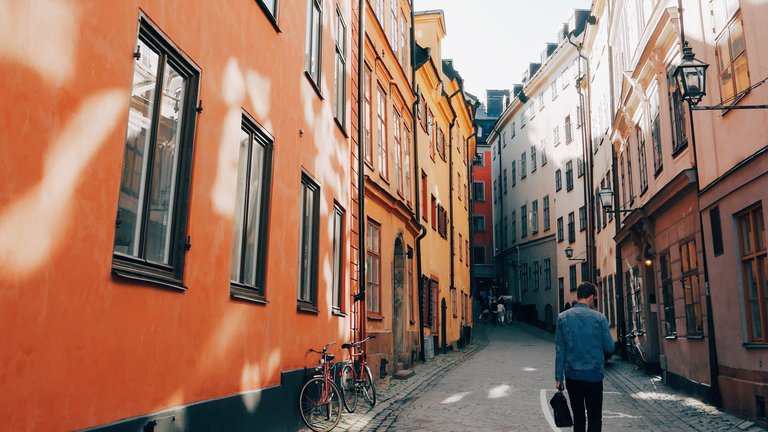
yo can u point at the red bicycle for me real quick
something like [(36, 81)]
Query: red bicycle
[(319, 399), (356, 377)]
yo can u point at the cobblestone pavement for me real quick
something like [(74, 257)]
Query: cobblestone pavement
[(502, 381)]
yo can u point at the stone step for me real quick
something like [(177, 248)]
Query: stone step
[(404, 374)]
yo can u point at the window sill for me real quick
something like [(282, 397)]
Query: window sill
[(676, 152), (383, 178), (750, 345), (341, 127), (337, 312), (144, 273), (314, 85), (658, 171), (375, 317), (307, 308), (672, 337), (695, 337), (272, 19), (246, 293)]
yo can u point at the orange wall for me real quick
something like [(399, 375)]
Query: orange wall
[(83, 348)]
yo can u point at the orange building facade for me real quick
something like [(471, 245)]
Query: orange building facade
[(174, 225)]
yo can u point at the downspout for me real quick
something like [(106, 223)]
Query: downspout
[(586, 148), (471, 212), (715, 398), (450, 206), (360, 296), (417, 185)]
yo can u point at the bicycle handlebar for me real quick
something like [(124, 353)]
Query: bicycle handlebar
[(324, 350), (349, 345)]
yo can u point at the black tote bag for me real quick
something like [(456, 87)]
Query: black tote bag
[(561, 410)]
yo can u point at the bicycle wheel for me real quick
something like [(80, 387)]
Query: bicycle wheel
[(348, 388), (635, 357), (368, 388), (320, 404)]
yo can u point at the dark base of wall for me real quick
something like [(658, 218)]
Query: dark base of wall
[(268, 409), (698, 390)]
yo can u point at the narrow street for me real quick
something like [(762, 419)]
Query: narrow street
[(504, 381)]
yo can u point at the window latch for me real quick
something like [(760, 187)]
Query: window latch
[(137, 53), (188, 243), (199, 108)]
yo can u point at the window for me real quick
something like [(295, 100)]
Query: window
[(667, 295), (424, 202), (441, 143), (403, 41), (569, 175), (308, 233), (691, 288), (151, 222), (547, 273), (495, 190), (558, 180), (480, 160), (398, 150), (522, 166), (379, 11), (731, 49), (572, 277), (479, 222), (535, 216), (338, 258), (754, 269), (479, 191), (584, 271), (431, 132), (524, 277), (251, 213), (407, 163), (513, 228), (556, 135), (410, 286), (514, 173), (381, 131), (512, 129), (611, 300), (479, 255), (658, 161), (623, 175), (545, 204), (641, 160), (599, 222), (269, 6), (453, 303), (461, 251), (717, 231), (504, 232), (535, 271), (504, 181), (533, 158), (466, 252), (560, 236), (434, 213), (524, 221), (340, 70), (373, 268), (312, 53), (677, 114), (540, 99), (629, 173), (580, 166), (582, 218), (393, 30), (368, 115), (543, 152), (568, 132), (571, 228), (553, 89)]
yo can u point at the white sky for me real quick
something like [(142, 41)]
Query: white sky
[(491, 42)]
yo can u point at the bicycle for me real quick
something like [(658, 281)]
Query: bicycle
[(635, 354), (356, 377), (319, 399)]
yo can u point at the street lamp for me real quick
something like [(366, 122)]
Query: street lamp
[(691, 76), (606, 200), (569, 255)]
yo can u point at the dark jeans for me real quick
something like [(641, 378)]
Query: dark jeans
[(587, 395)]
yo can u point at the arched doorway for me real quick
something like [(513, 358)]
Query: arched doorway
[(398, 298)]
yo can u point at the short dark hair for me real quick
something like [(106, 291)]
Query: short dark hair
[(585, 290)]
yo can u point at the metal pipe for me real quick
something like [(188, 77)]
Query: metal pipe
[(360, 296)]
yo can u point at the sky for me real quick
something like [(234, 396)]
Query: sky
[(491, 42)]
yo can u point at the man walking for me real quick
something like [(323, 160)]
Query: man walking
[(581, 341)]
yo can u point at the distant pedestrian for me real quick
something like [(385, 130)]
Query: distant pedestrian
[(582, 339), (567, 306), (501, 312)]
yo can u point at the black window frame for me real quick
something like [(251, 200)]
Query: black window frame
[(560, 230), (569, 175), (138, 268), (310, 74), (479, 191), (272, 15), (545, 212), (338, 258), (340, 56), (571, 227), (558, 180), (239, 289), (309, 305)]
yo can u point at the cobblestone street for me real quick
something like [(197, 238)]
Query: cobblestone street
[(503, 381)]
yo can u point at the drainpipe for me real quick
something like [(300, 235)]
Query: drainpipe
[(586, 135), (715, 398), (417, 186), (360, 296), (471, 207)]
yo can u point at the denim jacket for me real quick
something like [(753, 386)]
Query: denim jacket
[(582, 339)]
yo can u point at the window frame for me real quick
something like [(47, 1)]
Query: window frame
[(167, 275), (382, 142), (545, 212), (338, 259), (238, 288), (479, 196), (373, 295), (308, 244), (314, 76), (725, 32), (751, 256), (667, 294), (691, 298), (272, 15), (340, 58)]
